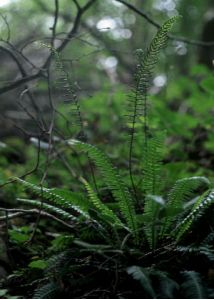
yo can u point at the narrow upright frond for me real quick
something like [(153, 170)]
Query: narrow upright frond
[(151, 165), (138, 98), (67, 86)]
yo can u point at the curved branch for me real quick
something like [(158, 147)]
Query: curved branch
[(46, 64), (158, 26)]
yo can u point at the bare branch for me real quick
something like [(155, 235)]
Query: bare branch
[(18, 212), (46, 64), (171, 36)]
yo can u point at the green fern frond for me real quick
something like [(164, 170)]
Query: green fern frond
[(152, 208), (167, 286), (54, 197), (47, 291), (142, 275), (106, 212), (113, 181), (198, 209), (138, 98), (151, 165), (193, 286), (182, 190)]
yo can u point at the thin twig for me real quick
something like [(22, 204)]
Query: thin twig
[(158, 26), (18, 212)]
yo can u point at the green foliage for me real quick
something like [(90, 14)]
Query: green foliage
[(123, 217), (192, 286), (198, 209), (142, 276), (113, 181)]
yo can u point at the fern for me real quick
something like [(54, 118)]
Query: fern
[(167, 286), (193, 286), (107, 213), (198, 209), (47, 291), (113, 181), (64, 83), (152, 157), (142, 275), (49, 208), (152, 208), (55, 197), (138, 99), (182, 190)]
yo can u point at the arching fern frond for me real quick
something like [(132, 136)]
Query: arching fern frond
[(103, 209), (142, 275), (193, 286), (49, 208), (198, 209), (182, 190), (113, 181), (47, 291), (56, 198)]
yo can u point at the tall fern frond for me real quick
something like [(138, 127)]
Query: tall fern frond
[(193, 286), (203, 202), (182, 190), (139, 96), (113, 180)]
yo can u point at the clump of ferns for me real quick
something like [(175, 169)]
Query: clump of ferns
[(120, 224)]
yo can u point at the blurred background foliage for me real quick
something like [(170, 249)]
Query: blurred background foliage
[(101, 59)]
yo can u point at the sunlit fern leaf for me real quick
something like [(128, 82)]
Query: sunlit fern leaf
[(49, 208), (142, 275), (193, 286), (203, 202), (113, 181), (47, 291), (107, 214), (182, 190), (55, 198)]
